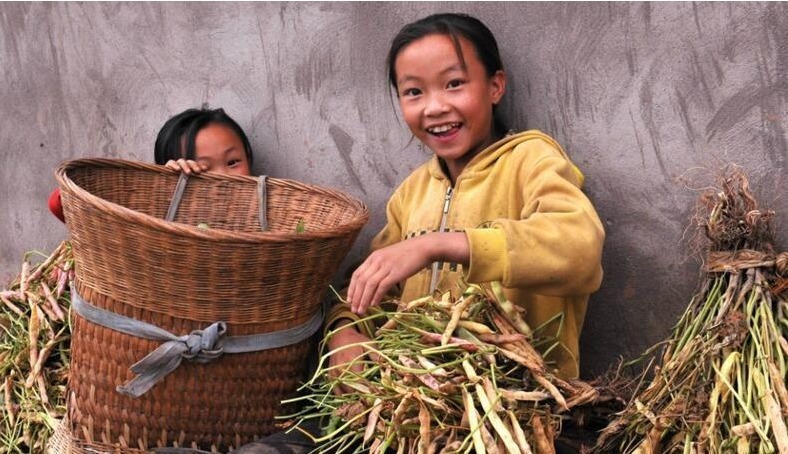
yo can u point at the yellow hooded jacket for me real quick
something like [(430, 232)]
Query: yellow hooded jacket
[(528, 224)]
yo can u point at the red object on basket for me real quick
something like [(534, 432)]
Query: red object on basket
[(56, 205)]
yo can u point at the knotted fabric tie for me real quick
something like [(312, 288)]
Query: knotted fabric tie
[(202, 346)]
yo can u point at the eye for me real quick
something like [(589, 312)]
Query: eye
[(233, 162), (455, 83), (411, 92)]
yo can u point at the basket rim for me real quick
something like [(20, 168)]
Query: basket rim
[(136, 217)]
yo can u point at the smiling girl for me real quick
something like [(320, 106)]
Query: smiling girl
[(488, 206)]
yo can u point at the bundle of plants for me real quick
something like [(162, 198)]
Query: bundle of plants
[(720, 385), (445, 375), (34, 350)]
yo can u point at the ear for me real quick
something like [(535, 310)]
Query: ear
[(497, 84)]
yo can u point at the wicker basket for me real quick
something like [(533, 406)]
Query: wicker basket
[(181, 277), (64, 442)]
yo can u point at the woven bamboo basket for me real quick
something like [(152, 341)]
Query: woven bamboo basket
[(64, 442), (180, 277)]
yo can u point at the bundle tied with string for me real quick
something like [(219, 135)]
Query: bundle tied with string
[(720, 385), (190, 327)]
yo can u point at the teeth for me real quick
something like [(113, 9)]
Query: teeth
[(442, 128)]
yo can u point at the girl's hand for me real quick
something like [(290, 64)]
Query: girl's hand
[(386, 267), (342, 358), (187, 166), (383, 269)]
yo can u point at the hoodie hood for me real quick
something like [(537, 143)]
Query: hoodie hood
[(491, 154)]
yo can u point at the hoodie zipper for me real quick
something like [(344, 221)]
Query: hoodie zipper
[(446, 203)]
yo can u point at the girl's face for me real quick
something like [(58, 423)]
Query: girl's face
[(220, 148), (447, 105)]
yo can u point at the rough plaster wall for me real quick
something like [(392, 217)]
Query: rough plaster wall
[(648, 98)]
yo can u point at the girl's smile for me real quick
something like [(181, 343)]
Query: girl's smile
[(445, 130), (447, 98)]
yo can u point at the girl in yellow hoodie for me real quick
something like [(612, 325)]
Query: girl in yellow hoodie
[(488, 206)]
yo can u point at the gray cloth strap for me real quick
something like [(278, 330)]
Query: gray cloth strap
[(201, 346), (180, 187)]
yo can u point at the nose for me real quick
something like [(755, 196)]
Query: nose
[(435, 105)]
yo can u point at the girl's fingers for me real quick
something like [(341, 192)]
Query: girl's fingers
[(358, 282), (347, 360), (196, 168), (372, 290), (351, 290), (183, 166), (376, 295), (358, 303), (186, 166), (383, 287)]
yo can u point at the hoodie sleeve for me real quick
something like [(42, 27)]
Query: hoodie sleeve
[(392, 231), (555, 246)]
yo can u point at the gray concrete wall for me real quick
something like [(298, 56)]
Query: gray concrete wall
[(648, 98)]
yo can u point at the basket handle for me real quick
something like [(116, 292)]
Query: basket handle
[(175, 201), (180, 187), (263, 197)]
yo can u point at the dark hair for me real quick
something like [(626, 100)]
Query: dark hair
[(453, 25), (176, 137)]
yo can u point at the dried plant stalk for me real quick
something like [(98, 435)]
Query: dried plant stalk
[(34, 351), (433, 382), (720, 384)]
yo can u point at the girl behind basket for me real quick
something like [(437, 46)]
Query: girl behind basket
[(198, 140), (194, 140), (488, 206)]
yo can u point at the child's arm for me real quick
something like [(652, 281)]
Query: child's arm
[(551, 244), (344, 354), (554, 246)]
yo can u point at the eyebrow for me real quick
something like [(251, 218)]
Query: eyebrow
[(457, 67)]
